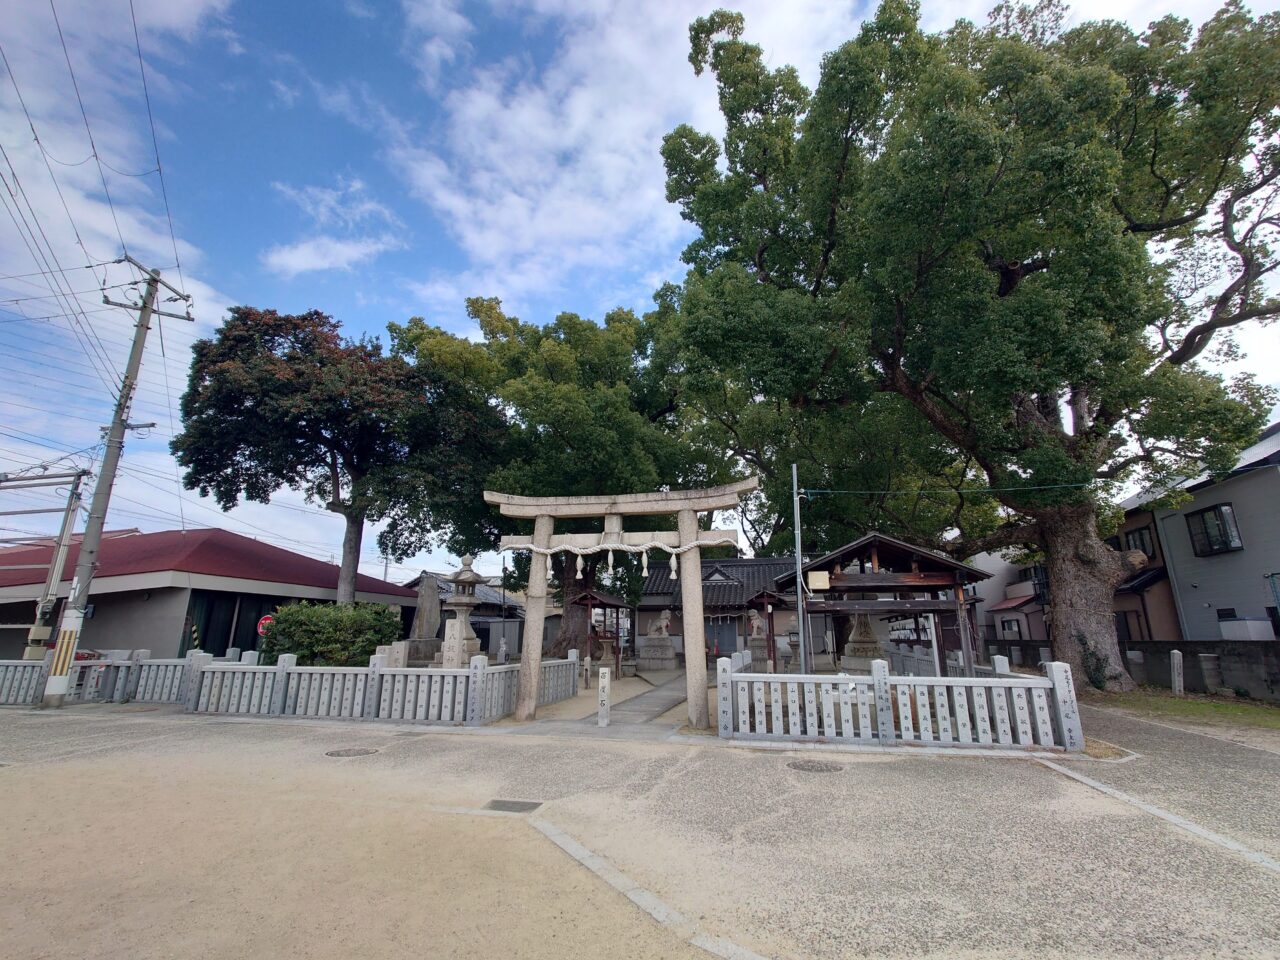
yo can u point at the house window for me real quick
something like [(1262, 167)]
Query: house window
[(1213, 530), (1011, 627), (1140, 540)]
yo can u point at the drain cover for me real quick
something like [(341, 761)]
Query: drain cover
[(815, 766), (351, 752), (513, 806)]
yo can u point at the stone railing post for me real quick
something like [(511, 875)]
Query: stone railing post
[(233, 655), (1066, 713), (602, 712), (280, 689), (195, 667), (477, 690), (127, 686), (724, 696), (573, 659), (373, 688), (885, 731), (249, 658), (1000, 665), (37, 689), (1176, 679)]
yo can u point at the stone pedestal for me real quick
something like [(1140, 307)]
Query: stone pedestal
[(655, 653), (759, 647)]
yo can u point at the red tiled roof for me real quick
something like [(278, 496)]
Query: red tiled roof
[(213, 552)]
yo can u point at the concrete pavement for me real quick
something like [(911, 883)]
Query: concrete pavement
[(887, 855)]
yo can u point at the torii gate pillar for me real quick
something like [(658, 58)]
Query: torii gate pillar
[(535, 617), (694, 628)]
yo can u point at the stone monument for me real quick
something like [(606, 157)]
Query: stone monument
[(426, 618), (758, 640), (862, 646), (657, 652), (460, 640)]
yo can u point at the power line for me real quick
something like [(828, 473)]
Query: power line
[(87, 129), (45, 154), (155, 142), (1051, 486), (73, 293), (53, 278), (41, 273)]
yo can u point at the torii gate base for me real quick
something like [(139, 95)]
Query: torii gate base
[(683, 542)]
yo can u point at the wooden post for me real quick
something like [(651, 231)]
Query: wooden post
[(1176, 678), (884, 702), (535, 615), (602, 713), (284, 663), (695, 638), (962, 630), (1066, 714)]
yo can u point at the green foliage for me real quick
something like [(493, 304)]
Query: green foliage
[(1026, 237), (278, 400), (330, 635)]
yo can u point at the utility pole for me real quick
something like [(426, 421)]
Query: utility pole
[(42, 629), (86, 563), (800, 616)]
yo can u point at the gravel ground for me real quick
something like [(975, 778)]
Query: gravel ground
[(154, 833)]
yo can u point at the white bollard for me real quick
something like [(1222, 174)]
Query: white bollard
[(602, 714), (1175, 673)]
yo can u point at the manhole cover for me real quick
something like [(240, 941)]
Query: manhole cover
[(513, 806), (815, 766), (351, 752)]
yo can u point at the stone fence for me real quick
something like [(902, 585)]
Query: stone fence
[(1002, 710), (239, 685)]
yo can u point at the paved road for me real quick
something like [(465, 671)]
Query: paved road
[(1228, 787), (889, 855)]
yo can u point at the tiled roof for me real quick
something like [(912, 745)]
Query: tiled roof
[(208, 551), (486, 593), (725, 583)]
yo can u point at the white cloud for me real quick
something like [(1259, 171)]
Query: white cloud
[(436, 34), (325, 253), (346, 205)]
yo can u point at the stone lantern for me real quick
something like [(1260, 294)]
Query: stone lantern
[(460, 640)]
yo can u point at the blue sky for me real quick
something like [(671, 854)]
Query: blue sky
[(375, 160)]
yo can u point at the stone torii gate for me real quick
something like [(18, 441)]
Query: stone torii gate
[(683, 544)]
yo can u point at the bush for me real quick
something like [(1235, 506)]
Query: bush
[(329, 635)]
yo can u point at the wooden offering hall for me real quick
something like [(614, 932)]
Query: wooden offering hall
[(879, 589)]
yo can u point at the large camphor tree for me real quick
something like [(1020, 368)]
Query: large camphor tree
[(1038, 240), (284, 400)]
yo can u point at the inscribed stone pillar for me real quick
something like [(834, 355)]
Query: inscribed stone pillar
[(534, 617), (695, 642)]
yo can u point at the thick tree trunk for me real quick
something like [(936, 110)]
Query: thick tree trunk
[(573, 622), (1083, 575), (352, 537)]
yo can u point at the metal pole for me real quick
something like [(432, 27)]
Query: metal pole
[(73, 621), (800, 615), (42, 629)]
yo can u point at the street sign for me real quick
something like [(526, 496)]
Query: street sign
[(263, 624)]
